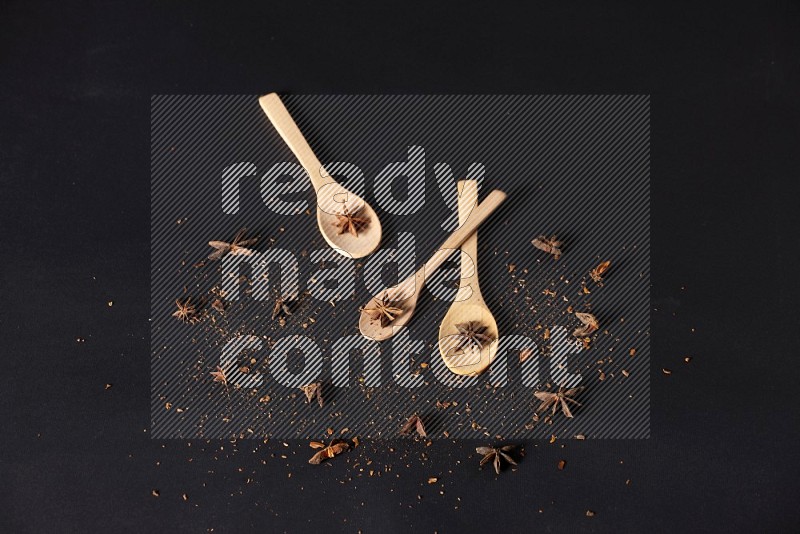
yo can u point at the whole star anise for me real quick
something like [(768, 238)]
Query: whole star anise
[(471, 334), (384, 309), (235, 248), (556, 399), (494, 454), (350, 222)]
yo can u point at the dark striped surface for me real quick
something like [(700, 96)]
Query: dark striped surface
[(576, 166)]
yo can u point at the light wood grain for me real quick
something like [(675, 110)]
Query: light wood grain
[(407, 292), (332, 197), (468, 305)]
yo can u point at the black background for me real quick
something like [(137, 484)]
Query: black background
[(74, 138)]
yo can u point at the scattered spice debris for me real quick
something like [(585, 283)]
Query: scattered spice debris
[(238, 247), (384, 309), (313, 390), (551, 245), (524, 354), (589, 322), (350, 222), (598, 272), (556, 399), (561, 465), (494, 455), (414, 423), (336, 447), (589, 513), (666, 371)]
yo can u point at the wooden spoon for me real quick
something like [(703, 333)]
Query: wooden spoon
[(468, 309), (334, 201), (403, 297)]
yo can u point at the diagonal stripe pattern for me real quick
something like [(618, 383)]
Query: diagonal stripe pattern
[(573, 166)]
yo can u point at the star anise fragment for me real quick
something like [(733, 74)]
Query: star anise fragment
[(414, 423), (313, 390), (471, 334), (494, 454), (218, 305), (557, 399), (335, 447), (280, 308), (238, 247), (220, 376), (598, 272), (186, 312), (551, 245), (589, 322), (350, 222), (384, 309)]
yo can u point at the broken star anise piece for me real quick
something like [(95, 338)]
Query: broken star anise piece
[(220, 376), (494, 454), (551, 245), (336, 446), (350, 222), (414, 423), (280, 308), (557, 399), (313, 390), (589, 322), (472, 334), (238, 247), (384, 309), (598, 272), (186, 312)]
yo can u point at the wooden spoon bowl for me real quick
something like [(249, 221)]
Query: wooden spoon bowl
[(406, 294), (468, 306), (332, 198)]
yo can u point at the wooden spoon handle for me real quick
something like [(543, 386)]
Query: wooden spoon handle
[(467, 200), (283, 122), (478, 215)]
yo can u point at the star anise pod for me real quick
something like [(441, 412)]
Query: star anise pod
[(335, 447), (414, 423), (186, 312), (589, 322), (557, 399), (220, 376), (313, 390), (280, 308), (384, 310), (235, 248), (598, 272), (350, 222), (471, 334), (551, 245), (494, 454)]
